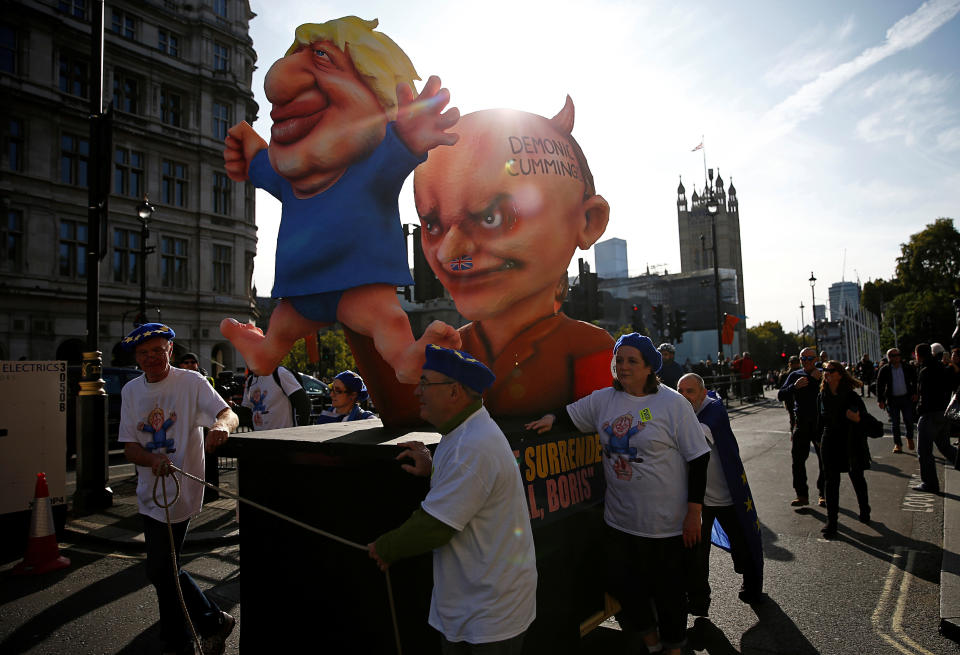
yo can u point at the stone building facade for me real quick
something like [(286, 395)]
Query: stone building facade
[(177, 75), (695, 223)]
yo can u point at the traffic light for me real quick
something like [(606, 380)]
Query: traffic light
[(680, 324), (591, 296), (658, 318), (636, 319), (426, 286)]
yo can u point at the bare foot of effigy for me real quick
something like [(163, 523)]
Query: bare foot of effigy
[(252, 345), (411, 362)]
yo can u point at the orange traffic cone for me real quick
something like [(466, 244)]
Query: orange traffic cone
[(42, 554)]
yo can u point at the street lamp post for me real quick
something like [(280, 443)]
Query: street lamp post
[(92, 470), (803, 336), (144, 212), (712, 209), (813, 306)]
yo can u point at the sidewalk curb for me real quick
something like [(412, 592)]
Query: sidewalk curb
[(950, 566), (119, 526), (81, 530)]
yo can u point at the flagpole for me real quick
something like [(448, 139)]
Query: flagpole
[(704, 149)]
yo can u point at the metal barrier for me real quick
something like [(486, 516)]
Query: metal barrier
[(730, 387), (227, 463)]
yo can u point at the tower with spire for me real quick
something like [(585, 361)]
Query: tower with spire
[(694, 222)]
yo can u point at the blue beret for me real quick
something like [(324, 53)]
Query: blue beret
[(650, 354), (354, 383), (145, 332), (462, 367)]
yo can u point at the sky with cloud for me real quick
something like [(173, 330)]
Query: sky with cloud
[(839, 123)]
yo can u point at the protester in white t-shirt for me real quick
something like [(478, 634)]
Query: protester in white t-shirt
[(650, 439), (271, 405), (474, 518), (162, 416)]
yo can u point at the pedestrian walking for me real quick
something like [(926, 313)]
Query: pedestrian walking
[(935, 383), (161, 419), (800, 390), (865, 372), (727, 501), (843, 445), (897, 394), (792, 365)]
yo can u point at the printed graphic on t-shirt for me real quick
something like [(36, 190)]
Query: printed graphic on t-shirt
[(259, 399), (618, 445), (157, 426)]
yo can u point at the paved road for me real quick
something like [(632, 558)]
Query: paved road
[(102, 603), (874, 590)]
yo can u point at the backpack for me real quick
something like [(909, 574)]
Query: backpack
[(299, 403), (870, 426)]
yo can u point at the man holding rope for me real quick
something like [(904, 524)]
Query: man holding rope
[(474, 517), (162, 417)]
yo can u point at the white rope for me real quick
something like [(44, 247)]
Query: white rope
[(173, 549)]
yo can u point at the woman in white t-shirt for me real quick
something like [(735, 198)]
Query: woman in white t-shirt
[(655, 461)]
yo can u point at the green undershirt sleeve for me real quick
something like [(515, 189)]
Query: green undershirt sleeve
[(418, 534)]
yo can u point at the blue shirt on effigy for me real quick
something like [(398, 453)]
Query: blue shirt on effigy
[(346, 236)]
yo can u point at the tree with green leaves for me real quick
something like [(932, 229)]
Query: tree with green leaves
[(917, 304), (335, 355), (770, 346), (931, 259)]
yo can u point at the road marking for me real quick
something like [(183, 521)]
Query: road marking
[(100, 553), (900, 641), (763, 431), (917, 502), (902, 604)]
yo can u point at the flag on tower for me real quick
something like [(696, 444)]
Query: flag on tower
[(699, 147)]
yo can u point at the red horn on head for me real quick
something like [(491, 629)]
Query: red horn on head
[(563, 121)]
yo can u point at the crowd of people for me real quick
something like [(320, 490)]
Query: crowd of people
[(674, 478), (827, 412), (475, 511), (733, 377), (280, 400)]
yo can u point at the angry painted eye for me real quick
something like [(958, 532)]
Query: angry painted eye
[(321, 53), (493, 220), (432, 228), (501, 214)]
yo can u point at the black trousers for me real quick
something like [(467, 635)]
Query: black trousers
[(512, 646), (833, 493), (803, 436), (697, 559), (204, 613), (646, 576)]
